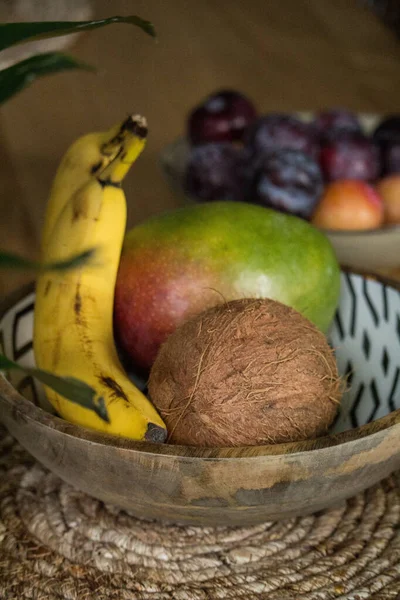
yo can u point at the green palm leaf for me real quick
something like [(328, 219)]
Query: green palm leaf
[(18, 33), (18, 76), (73, 389)]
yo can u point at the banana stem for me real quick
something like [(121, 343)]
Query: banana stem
[(132, 139)]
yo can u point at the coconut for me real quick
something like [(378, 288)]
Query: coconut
[(247, 372)]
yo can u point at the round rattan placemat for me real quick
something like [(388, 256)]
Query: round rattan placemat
[(59, 544)]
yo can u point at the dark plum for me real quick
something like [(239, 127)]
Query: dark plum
[(335, 121), (287, 180), (214, 172), (350, 156), (391, 159), (388, 130), (387, 135), (275, 131), (221, 117)]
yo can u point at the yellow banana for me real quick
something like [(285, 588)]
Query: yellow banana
[(73, 319), (86, 157)]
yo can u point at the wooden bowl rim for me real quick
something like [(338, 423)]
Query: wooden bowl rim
[(23, 409)]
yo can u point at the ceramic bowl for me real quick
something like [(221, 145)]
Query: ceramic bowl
[(229, 486), (372, 250)]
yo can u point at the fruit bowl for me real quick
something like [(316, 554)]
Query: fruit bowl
[(229, 486), (370, 250)]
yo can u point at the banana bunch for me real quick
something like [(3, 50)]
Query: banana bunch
[(73, 318)]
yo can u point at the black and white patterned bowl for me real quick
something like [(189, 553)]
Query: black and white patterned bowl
[(230, 485)]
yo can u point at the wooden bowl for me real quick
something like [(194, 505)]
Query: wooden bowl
[(373, 250), (230, 486)]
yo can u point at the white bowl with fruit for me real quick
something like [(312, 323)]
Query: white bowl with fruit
[(335, 168)]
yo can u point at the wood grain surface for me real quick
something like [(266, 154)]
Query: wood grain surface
[(287, 55)]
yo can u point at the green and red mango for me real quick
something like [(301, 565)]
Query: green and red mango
[(176, 264)]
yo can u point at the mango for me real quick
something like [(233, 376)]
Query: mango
[(178, 263)]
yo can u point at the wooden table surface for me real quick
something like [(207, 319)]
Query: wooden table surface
[(286, 55)]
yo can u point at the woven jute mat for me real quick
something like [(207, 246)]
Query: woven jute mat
[(57, 543)]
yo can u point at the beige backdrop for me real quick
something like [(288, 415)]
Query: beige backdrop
[(286, 54)]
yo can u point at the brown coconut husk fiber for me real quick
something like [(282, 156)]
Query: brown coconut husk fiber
[(247, 372)]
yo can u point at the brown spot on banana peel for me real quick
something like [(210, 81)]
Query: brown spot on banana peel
[(109, 148), (154, 433), (135, 124), (83, 208), (97, 167), (108, 182), (81, 322), (77, 213), (115, 388), (112, 147), (47, 287), (78, 303)]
